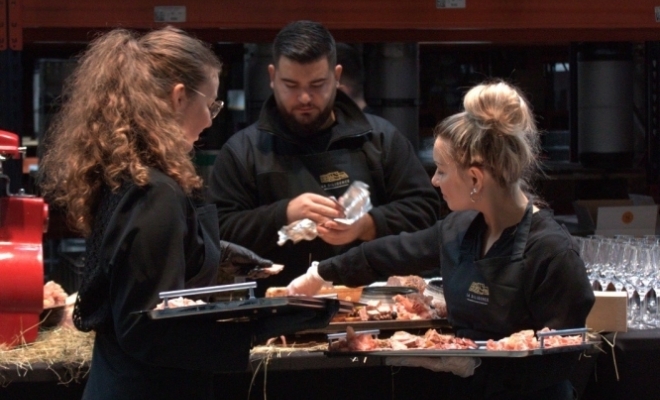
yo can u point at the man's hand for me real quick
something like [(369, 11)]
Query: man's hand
[(337, 234), (313, 206)]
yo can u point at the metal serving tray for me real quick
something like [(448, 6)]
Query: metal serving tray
[(251, 307), (479, 352), (386, 325), (244, 308)]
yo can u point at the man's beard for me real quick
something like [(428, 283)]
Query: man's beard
[(308, 129)]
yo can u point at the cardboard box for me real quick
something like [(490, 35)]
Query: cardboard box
[(616, 217), (609, 313), (587, 210), (641, 199)]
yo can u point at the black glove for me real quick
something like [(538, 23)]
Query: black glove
[(238, 261)]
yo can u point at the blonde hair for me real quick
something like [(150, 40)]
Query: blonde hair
[(117, 119), (496, 131)]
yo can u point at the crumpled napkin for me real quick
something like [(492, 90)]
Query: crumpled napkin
[(461, 366)]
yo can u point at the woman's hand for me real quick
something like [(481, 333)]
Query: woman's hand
[(308, 284), (237, 260)]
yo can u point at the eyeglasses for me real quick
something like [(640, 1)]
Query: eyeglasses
[(215, 107)]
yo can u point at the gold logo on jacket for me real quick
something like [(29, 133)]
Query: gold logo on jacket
[(333, 177), (478, 293), (479, 288)]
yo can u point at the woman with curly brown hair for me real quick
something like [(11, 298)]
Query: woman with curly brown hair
[(118, 162)]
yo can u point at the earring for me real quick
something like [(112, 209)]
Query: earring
[(472, 193)]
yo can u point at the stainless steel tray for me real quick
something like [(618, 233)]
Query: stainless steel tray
[(481, 351), (387, 325), (244, 308), (251, 308)]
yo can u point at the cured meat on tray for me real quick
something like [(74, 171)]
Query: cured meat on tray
[(400, 341), (408, 307), (178, 302), (433, 340), (413, 281), (526, 340)]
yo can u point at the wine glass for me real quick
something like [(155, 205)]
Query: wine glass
[(645, 270), (589, 254), (610, 256), (624, 238), (622, 258), (629, 278), (651, 239), (655, 285)]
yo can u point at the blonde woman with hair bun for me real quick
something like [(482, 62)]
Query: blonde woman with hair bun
[(506, 264)]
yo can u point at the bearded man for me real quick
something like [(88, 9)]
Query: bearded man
[(310, 143)]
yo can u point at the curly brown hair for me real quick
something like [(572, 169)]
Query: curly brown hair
[(117, 119)]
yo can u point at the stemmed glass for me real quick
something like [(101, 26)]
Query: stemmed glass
[(624, 238), (581, 243), (629, 277), (623, 254), (644, 274), (655, 285), (651, 239), (612, 258), (589, 254)]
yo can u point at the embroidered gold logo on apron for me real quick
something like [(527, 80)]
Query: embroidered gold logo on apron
[(333, 177), (478, 288), (334, 180), (478, 293)]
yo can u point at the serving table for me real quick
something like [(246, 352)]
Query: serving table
[(629, 368), (300, 370)]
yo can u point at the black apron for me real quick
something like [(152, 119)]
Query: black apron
[(299, 169), (485, 298), (328, 174), (335, 170)]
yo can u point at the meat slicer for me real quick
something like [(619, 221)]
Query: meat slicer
[(23, 220)]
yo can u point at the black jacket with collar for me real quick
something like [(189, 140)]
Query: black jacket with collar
[(261, 168)]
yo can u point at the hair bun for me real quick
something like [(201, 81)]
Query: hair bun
[(496, 131), (498, 108)]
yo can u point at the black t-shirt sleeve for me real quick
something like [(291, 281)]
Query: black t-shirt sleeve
[(403, 254), (562, 296)]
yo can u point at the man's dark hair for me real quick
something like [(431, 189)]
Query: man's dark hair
[(305, 42), (350, 58)]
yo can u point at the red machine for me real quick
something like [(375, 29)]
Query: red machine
[(23, 220)]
